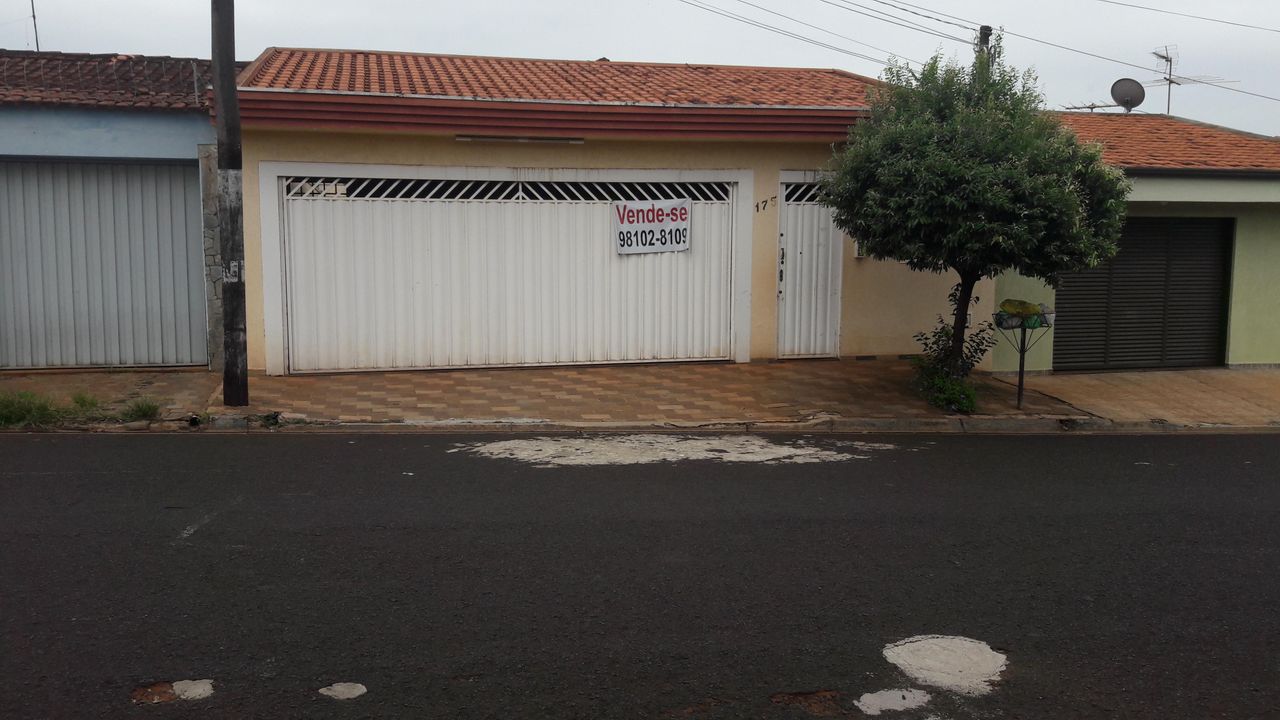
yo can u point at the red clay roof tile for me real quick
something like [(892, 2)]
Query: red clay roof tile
[(1135, 141), (104, 81), (1162, 142), (556, 81)]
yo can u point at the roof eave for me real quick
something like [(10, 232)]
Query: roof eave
[(542, 101), (448, 116), (1202, 172)]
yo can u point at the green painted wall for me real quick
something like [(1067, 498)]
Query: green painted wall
[(1253, 329), (1253, 322), (1004, 358)]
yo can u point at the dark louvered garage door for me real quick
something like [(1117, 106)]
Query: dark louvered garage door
[(1161, 302)]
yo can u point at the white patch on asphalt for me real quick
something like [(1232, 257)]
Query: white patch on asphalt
[(891, 700), (407, 473), (191, 529), (344, 691), (959, 664), (643, 449), (193, 689), (871, 446)]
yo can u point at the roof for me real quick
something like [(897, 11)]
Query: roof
[(598, 82), (103, 81), (521, 98), (1139, 142)]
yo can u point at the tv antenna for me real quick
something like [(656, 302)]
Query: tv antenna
[(1167, 55), (1126, 92)]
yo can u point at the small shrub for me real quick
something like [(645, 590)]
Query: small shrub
[(943, 390), (936, 344), (24, 409), (942, 381), (141, 409), (85, 403)]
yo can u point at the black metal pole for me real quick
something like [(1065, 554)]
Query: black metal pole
[(1022, 364), (235, 369)]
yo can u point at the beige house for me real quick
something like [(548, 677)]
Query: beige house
[(427, 211)]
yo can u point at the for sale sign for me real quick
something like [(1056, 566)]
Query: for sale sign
[(648, 226)]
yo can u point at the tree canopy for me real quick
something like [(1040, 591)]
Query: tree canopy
[(960, 167)]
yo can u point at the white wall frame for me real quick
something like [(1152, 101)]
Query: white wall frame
[(270, 173)]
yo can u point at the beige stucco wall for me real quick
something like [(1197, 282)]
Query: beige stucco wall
[(884, 303)]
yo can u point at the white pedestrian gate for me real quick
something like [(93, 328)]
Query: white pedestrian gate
[(384, 273), (101, 264), (809, 274)]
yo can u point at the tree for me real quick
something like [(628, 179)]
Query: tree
[(961, 169)]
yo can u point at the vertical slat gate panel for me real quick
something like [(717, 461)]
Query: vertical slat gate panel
[(90, 279), (103, 265), (1161, 302), (445, 275), (808, 306)]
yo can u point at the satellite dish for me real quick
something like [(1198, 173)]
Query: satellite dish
[(1128, 93)]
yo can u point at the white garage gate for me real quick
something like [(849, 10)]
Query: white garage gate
[(436, 272)]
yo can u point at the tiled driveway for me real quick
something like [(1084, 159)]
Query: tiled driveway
[(1215, 396), (658, 393)]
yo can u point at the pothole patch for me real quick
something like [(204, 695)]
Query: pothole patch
[(891, 701), (819, 703), (154, 694), (958, 664), (167, 692), (646, 448), (344, 691), (193, 689)]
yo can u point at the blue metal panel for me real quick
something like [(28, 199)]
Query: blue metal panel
[(31, 131), (101, 264)]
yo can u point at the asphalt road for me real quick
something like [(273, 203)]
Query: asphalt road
[(1134, 577)]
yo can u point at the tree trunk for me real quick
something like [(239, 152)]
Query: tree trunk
[(955, 356)]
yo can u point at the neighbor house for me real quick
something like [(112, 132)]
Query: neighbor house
[(1194, 283), (102, 244)]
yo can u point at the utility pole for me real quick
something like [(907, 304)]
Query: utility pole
[(984, 39), (235, 369), (34, 27)]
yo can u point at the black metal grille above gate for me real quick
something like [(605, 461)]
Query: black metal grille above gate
[(801, 192), (1161, 302), (351, 188)]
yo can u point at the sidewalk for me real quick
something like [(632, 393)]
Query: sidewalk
[(686, 394), (1204, 397), (817, 395)]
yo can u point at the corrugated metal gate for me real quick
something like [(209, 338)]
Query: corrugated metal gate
[(809, 271), (101, 264), (386, 273), (1161, 302)]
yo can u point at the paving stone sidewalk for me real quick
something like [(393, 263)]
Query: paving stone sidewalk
[(817, 394), (681, 394), (1210, 396)]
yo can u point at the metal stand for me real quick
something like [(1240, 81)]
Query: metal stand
[(1022, 347)]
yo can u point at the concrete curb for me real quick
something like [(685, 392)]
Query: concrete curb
[(974, 425)]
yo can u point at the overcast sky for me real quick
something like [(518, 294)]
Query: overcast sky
[(671, 31)]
